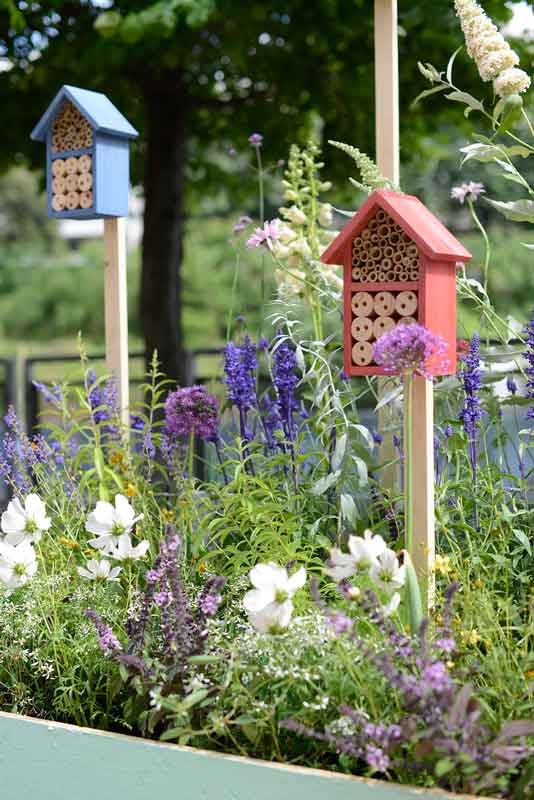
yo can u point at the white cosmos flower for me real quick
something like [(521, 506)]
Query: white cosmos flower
[(269, 604), (340, 565), (366, 549), (389, 608), (125, 550), (386, 571), (25, 522), (99, 570), (17, 564), (109, 522)]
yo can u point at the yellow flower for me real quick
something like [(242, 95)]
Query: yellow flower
[(529, 674), (478, 584), (442, 564), (69, 543), (167, 515), (201, 567), (116, 459), (131, 490), (471, 637), (449, 664)]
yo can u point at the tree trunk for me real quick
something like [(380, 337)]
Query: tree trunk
[(161, 286)]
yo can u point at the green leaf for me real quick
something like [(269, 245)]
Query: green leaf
[(412, 595), (427, 93), (523, 538), (348, 508), (451, 62), (324, 484), (512, 110), (464, 97), (479, 151), (443, 766), (339, 452), (515, 210), (108, 23)]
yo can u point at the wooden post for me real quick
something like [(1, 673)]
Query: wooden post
[(116, 305), (424, 548), (387, 160)]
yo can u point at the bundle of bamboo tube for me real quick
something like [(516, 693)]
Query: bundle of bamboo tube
[(71, 131), (383, 253)]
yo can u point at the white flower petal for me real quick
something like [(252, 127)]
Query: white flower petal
[(124, 512), (256, 599), (267, 575), (297, 580)]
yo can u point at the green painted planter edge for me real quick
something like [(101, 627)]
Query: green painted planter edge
[(54, 761)]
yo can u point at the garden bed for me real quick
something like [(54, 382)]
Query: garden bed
[(68, 761)]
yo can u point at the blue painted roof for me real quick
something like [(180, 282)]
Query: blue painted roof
[(98, 109)]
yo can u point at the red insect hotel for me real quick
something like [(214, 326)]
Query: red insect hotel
[(399, 267)]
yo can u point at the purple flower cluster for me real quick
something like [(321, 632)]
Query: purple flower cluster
[(529, 357), (441, 721), (20, 454), (285, 381), (104, 403), (107, 641), (408, 349), (472, 412), (192, 410), (164, 628)]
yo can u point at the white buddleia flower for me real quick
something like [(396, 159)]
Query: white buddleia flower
[(511, 81)]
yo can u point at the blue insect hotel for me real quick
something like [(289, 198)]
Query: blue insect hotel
[(87, 155)]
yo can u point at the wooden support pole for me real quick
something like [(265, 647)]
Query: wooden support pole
[(424, 547), (387, 160), (116, 305)]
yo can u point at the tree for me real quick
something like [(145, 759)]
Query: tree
[(197, 75)]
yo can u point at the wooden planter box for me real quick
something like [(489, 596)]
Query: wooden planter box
[(53, 761)]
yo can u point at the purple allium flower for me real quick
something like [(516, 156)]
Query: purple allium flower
[(529, 356), (470, 190), (285, 381), (192, 410), (265, 236), (255, 139), (376, 758), (408, 348)]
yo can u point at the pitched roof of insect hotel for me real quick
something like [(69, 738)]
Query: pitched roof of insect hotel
[(431, 236), (96, 107)]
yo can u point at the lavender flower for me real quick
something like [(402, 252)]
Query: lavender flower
[(104, 403), (338, 622), (192, 410), (51, 395), (240, 364), (408, 348)]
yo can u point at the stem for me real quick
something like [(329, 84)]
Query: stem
[(487, 245), (408, 463), (190, 454)]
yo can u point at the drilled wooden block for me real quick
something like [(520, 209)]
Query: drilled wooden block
[(406, 303), (361, 329), (407, 321), (381, 325), (362, 304), (362, 353), (384, 304)]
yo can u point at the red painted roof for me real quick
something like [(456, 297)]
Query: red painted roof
[(431, 236)]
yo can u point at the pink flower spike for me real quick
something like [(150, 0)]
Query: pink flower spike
[(266, 235)]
